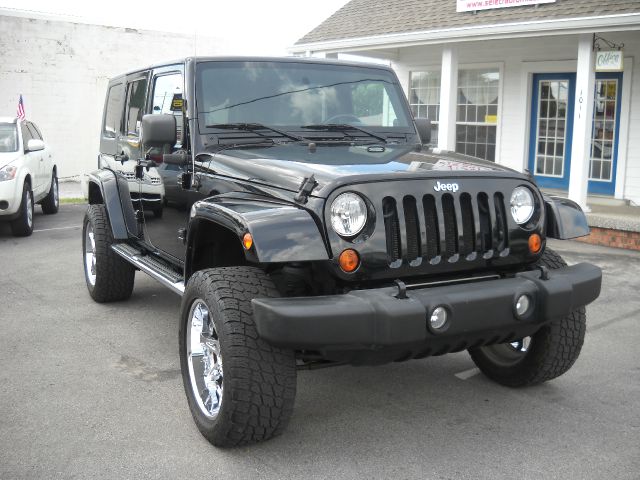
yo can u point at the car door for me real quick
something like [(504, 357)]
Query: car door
[(164, 230), (31, 159), (44, 162), (129, 137)]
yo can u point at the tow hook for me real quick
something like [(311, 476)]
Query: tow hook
[(544, 272), (402, 289)]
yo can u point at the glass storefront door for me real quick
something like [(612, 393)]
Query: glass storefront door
[(604, 136), (552, 128), (551, 131)]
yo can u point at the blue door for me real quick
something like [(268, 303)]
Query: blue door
[(605, 133), (552, 128)]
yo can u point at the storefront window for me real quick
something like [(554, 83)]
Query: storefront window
[(477, 116), (604, 129), (424, 97)]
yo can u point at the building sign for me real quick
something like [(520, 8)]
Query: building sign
[(473, 5), (609, 61), (176, 102)]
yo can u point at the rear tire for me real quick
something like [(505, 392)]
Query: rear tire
[(251, 398), (547, 354), (51, 202), (23, 225), (109, 277)]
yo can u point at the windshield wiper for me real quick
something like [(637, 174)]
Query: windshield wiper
[(341, 127), (252, 127)]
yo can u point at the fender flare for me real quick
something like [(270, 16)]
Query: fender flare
[(282, 232), (565, 218), (117, 200)]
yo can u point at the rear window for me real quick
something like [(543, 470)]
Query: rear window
[(8, 137), (113, 110)]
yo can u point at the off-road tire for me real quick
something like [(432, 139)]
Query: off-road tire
[(259, 384), (51, 202), (22, 226), (114, 275), (553, 349)]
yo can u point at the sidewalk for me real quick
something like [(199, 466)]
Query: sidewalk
[(614, 226)]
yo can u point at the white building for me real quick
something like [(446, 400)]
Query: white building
[(61, 68), (513, 81)]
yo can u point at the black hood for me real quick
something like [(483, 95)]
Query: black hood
[(287, 165)]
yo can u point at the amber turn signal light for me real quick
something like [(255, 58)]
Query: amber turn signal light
[(247, 241), (349, 260), (535, 243)]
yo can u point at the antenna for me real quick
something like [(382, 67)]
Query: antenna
[(195, 42)]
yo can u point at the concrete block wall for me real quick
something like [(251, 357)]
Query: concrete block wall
[(62, 69)]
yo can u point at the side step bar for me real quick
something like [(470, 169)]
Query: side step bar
[(152, 266)]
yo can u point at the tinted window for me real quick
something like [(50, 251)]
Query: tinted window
[(8, 137), (113, 111), (26, 136), (167, 99), (295, 94), (135, 106)]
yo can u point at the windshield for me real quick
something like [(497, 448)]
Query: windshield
[(291, 94), (8, 137)]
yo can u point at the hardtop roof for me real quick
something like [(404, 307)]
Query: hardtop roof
[(289, 59)]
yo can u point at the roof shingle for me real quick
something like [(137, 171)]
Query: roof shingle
[(366, 18)]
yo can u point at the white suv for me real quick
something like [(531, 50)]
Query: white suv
[(28, 175)]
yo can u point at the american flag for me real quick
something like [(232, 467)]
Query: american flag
[(20, 111)]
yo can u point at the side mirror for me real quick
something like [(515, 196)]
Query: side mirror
[(35, 145), (158, 130), (423, 125)]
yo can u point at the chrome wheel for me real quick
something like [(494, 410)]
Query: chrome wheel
[(508, 354), (29, 206), (521, 345), (90, 255), (204, 359), (56, 198)]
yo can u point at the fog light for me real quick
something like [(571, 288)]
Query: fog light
[(522, 305), (438, 318)]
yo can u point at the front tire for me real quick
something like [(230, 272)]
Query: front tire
[(109, 277), (251, 397), (51, 202), (547, 354), (23, 225)]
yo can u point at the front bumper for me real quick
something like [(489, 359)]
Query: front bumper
[(480, 313), (11, 193)]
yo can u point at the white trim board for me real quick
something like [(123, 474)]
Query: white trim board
[(537, 28)]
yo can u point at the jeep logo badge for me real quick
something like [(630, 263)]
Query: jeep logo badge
[(450, 187)]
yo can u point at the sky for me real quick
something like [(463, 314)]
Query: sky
[(248, 27)]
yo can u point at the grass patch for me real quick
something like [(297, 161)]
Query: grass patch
[(72, 200)]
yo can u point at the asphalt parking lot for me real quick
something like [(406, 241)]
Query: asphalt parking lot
[(94, 391)]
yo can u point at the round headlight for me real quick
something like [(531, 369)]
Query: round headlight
[(348, 214), (522, 205)]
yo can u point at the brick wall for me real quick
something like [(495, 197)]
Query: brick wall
[(613, 238), (62, 68)]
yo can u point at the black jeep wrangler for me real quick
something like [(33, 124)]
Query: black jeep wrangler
[(292, 205)]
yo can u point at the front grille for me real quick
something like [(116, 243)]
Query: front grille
[(445, 227), (147, 178)]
